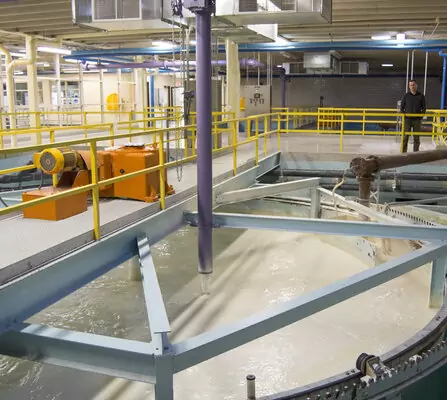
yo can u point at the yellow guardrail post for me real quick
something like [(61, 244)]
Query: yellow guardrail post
[(161, 161), (112, 134), (342, 131), (1, 138), (54, 176), (279, 131), (265, 135), (402, 133), (95, 191), (257, 141), (235, 128), (38, 125), (364, 122)]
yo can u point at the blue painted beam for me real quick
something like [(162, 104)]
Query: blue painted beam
[(427, 45), (111, 356), (220, 340), (324, 227)]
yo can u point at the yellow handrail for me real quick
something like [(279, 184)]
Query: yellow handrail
[(96, 183)]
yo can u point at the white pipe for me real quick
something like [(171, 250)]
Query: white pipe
[(412, 64), (408, 70), (426, 73)]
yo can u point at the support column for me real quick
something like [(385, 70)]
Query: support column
[(204, 140), (437, 282), (141, 95), (282, 75), (33, 94), (57, 70), (315, 203), (133, 269), (233, 86)]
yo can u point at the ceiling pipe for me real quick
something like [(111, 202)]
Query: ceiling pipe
[(245, 62), (429, 45)]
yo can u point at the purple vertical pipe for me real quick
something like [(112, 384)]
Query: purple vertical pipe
[(204, 142)]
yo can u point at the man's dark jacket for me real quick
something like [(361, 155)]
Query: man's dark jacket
[(413, 104)]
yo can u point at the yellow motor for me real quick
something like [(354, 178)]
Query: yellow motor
[(55, 160)]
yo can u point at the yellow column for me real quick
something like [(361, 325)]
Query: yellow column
[(33, 95), (233, 87)]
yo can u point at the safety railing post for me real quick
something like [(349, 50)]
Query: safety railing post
[(265, 135), (402, 133), (112, 134), (279, 132), (234, 144), (54, 176), (161, 161), (342, 131), (364, 122), (95, 191), (257, 141)]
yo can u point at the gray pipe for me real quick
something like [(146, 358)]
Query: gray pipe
[(244, 62)]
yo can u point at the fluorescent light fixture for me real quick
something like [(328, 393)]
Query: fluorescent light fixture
[(387, 65), (192, 42), (19, 73), (163, 44), (279, 66), (21, 55), (381, 37), (400, 37), (70, 60), (54, 50)]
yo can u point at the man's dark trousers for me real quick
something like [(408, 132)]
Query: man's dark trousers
[(414, 123)]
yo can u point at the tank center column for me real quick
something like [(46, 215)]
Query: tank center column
[(203, 10)]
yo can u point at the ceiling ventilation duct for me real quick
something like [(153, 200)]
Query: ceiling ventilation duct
[(301, 12), (116, 15), (113, 15)]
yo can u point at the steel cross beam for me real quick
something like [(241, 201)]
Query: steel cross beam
[(324, 227), (121, 358), (220, 340), (155, 306), (267, 190)]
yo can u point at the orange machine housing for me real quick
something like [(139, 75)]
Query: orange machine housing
[(111, 163)]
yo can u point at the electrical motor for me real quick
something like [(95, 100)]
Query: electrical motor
[(55, 160)]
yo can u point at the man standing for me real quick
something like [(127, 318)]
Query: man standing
[(413, 102)]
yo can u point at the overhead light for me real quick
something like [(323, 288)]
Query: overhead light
[(279, 66), (160, 43), (19, 73), (400, 37), (54, 50), (70, 60), (387, 65), (193, 42), (21, 55), (381, 37)]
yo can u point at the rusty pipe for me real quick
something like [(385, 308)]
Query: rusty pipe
[(364, 168), (367, 166)]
